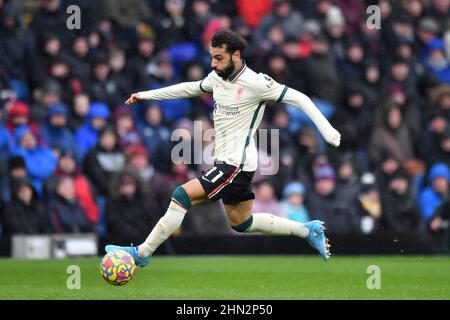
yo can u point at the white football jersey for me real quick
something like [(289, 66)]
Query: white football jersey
[(239, 107), (239, 104)]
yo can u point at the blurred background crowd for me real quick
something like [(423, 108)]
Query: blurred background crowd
[(74, 159)]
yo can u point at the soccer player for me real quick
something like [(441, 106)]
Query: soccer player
[(239, 95)]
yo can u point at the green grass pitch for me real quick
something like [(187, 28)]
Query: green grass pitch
[(235, 277)]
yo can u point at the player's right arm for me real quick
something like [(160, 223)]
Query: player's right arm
[(177, 91)]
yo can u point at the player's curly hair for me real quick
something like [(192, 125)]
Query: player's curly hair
[(231, 39)]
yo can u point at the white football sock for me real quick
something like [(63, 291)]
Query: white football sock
[(167, 225), (270, 224)]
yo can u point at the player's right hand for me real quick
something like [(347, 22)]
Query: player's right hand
[(133, 98)]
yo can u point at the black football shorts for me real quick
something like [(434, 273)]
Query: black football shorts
[(227, 182)]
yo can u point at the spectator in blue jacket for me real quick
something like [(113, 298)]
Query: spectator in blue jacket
[(154, 130), (6, 143), (86, 136), (437, 190), (435, 60), (292, 204), (40, 161), (56, 132)]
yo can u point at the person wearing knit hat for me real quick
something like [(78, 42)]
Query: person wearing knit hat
[(96, 119), (324, 172), (326, 202), (55, 131), (435, 60), (292, 203), (40, 161)]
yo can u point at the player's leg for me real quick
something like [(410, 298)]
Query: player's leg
[(183, 198), (241, 219)]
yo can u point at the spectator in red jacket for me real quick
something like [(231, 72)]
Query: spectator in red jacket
[(19, 115), (66, 213), (83, 191)]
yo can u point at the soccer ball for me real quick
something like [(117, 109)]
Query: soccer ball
[(117, 267)]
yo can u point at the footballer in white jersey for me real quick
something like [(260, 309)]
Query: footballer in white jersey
[(240, 95)]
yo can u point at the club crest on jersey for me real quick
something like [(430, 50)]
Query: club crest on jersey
[(239, 93), (269, 80)]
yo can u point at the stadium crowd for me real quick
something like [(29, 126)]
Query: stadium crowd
[(75, 159)]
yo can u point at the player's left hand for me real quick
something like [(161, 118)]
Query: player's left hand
[(333, 137)]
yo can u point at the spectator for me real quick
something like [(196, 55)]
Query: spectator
[(87, 135), (292, 204), (372, 80), (436, 121), (79, 58), (14, 170), (138, 159), (18, 116), (171, 25), (427, 30), (128, 14), (353, 11), (67, 166), (55, 132), (154, 131), (400, 211), (17, 49), (355, 112), (50, 18), (128, 213), (253, 12), (290, 20), (48, 54), (439, 225), (347, 175), (79, 112), (142, 65), (391, 136), (103, 86), (201, 15), (26, 213), (6, 142), (176, 109), (323, 78), (265, 199), (46, 95), (435, 60), (335, 30), (125, 126), (40, 161), (327, 204), (369, 205), (66, 214), (351, 67), (104, 160), (436, 192), (61, 72)]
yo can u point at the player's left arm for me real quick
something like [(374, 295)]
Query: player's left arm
[(269, 89)]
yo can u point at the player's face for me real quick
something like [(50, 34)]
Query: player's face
[(222, 61)]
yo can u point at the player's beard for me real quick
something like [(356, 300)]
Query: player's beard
[(227, 71)]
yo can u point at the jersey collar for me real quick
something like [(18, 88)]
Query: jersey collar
[(236, 75)]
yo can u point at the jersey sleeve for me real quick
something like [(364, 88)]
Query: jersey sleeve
[(268, 89), (205, 84), (179, 91)]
